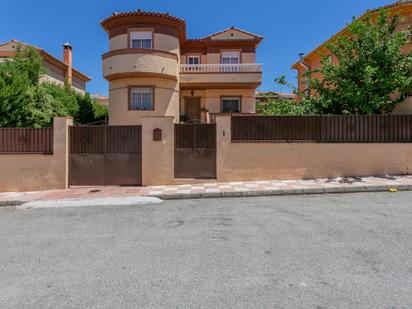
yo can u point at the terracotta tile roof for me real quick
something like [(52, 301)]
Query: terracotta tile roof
[(142, 13), (194, 40), (234, 28), (274, 94), (398, 4), (204, 40), (388, 6)]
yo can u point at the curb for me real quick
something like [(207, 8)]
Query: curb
[(287, 192), (11, 203)]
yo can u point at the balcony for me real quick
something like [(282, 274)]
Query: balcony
[(221, 68), (215, 76), (137, 62)]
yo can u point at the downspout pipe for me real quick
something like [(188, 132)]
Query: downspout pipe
[(307, 68)]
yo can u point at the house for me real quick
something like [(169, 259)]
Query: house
[(102, 100), (58, 71), (265, 96), (153, 69), (312, 60)]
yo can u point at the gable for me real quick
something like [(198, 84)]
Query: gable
[(9, 47), (232, 34)]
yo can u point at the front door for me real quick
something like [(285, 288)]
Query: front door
[(192, 108)]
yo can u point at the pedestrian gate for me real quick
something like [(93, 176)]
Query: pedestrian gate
[(105, 155), (195, 151)]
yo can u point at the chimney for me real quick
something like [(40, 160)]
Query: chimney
[(301, 57), (68, 60)]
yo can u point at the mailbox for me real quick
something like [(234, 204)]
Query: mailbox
[(157, 135)]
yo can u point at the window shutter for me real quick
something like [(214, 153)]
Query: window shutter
[(141, 35), (230, 54)]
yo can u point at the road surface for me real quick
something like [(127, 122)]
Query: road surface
[(346, 251)]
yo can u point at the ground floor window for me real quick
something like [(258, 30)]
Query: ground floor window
[(230, 105), (141, 98)]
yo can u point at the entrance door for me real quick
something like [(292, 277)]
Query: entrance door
[(105, 155), (195, 151), (192, 108)]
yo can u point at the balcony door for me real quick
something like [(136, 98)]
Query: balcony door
[(230, 57), (230, 61), (192, 108)]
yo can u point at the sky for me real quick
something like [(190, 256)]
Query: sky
[(288, 27)]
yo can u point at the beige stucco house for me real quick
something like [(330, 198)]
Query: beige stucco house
[(153, 69), (58, 71)]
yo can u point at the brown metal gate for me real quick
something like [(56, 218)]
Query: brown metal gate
[(105, 155), (195, 151)]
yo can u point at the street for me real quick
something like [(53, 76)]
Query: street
[(326, 251)]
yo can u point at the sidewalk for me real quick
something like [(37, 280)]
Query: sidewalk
[(216, 190)]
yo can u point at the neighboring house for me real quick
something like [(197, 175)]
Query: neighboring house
[(265, 96), (154, 70), (312, 60), (102, 100), (58, 71)]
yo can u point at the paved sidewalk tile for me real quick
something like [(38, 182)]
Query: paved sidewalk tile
[(227, 189)]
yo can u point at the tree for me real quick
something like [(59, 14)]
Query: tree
[(22, 102), (369, 72), (90, 112), (280, 106), (25, 102), (286, 107), (101, 112)]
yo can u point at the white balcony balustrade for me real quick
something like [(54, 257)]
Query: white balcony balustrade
[(221, 68)]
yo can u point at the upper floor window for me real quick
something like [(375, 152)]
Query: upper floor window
[(141, 39), (141, 98), (193, 59), (230, 105), (230, 57)]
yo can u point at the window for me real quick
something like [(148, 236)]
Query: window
[(141, 98), (141, 39), (193, 60), (230, 57), (230, 104)]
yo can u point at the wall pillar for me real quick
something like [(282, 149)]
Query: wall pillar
[(158, 156), (61, 149), (223, 139)]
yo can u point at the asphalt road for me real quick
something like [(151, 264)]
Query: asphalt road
[(330, 251)]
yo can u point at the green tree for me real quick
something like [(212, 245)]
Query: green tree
[(372, 73), (22, 102), (90, 112), (25, 102), (286, 107), (101, 112), (65, 99)]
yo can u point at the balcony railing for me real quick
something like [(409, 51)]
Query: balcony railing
[(221, 68)]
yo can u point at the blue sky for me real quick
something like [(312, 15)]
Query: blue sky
[(289, 27)]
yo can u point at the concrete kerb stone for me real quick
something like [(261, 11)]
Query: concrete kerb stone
[(285, 192), (277, 191)]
